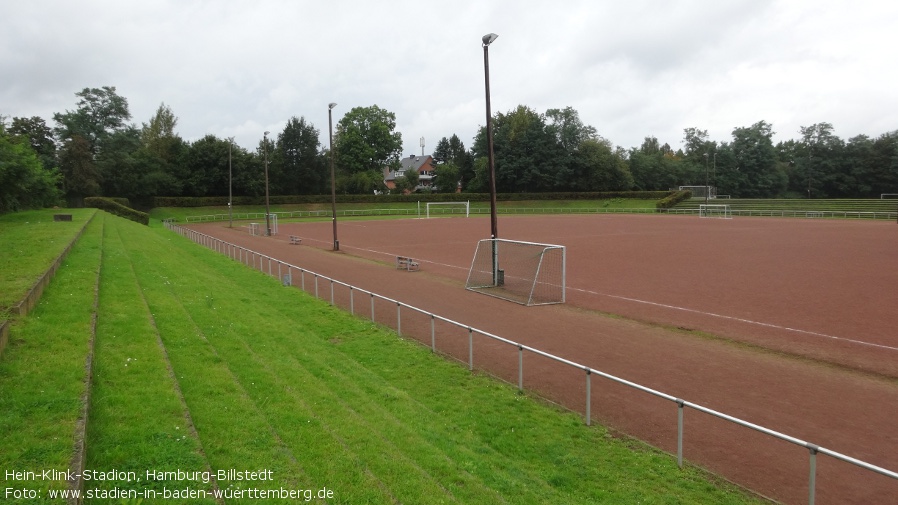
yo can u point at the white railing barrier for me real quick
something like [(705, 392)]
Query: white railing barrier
[(888, 215), (681, 404)]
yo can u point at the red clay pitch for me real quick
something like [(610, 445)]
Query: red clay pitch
[(794, 319)]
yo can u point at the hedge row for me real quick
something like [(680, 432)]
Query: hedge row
[(112, 206), (673, 198), (220, 201)]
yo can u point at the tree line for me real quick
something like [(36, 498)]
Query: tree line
[(95, 150)]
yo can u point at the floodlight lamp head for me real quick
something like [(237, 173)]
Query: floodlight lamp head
[(489, 38), (266, 133), (331, 105)]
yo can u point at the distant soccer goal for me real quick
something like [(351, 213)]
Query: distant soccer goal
[(715, 210), (522, 272), (465, 207), (701, 191)]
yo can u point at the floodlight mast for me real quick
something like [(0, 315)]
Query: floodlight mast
[(267, 206), (330, 126), (488, 39)]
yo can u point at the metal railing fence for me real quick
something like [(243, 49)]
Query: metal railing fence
[(265, 264), (830, 214)]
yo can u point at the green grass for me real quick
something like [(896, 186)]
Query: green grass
[(42, 371), (274, 379), (29, 243)]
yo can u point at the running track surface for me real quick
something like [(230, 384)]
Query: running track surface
[(795, 328)]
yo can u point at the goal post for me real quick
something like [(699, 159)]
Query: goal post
[(715, 210), (466, 205), (528, 273)]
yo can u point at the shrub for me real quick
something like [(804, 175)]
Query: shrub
[(113, 206), (673, 198)]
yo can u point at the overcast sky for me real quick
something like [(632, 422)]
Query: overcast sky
[(632, 68)]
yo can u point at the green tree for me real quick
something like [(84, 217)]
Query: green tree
[(447, 176), (568, 129), (757, 160), (527, 155), (100, 112), (297, 161), (819, 160), (39, 136), (24, 182), (120, 174), (158, 136), (81, 176), (367, 143), (598, 167), (451, 151)]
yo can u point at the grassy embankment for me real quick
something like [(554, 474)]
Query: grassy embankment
[(201, 363)]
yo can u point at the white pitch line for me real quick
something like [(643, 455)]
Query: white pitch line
[(739, 319)]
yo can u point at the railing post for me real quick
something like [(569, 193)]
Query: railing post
[(520, 368), (433, 335), (398, 319), (812, 478), (679, 432), (332, 291), (372, 307), (470, 349), (588, 397), (316, 285), (351, 303)]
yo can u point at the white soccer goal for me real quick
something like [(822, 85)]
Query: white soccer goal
[(715, 210), (701, 191), (523, 272), (273, 220), (466, 205)]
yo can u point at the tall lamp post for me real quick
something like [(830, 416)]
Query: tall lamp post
[(488, 39), (330, 126), (707, 188), (267, 208), (230, 185)]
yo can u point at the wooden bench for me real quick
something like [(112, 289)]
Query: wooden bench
[(404, 263), (294, 240)]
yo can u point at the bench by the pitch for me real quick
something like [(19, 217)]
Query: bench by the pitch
[(294, 240), (405, 263)]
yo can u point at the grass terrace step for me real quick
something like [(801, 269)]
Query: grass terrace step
[(137, 420), (42, 371)]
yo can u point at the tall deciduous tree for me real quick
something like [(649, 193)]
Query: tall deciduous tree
[(39, 136), (366, 143), (100, 112), (297, 161), (451, 152), (24, 183), (76, 162), (756, 156)]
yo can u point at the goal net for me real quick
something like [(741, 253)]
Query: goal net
[(523, 272), (712, 210), (460, 208)]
